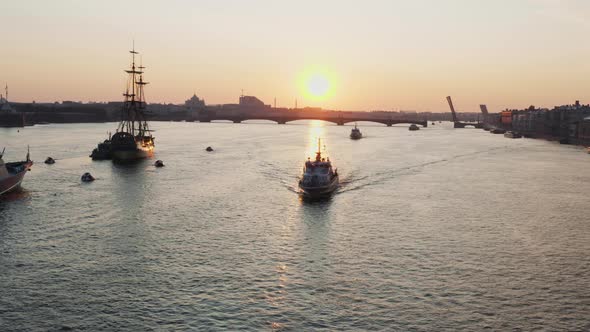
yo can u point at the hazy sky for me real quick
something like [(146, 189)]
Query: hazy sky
[(380, 54)]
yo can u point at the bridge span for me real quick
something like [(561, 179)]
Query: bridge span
[(284, 117)]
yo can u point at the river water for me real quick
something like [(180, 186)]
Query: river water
[(433, 230)]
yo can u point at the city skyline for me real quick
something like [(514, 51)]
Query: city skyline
[(387, 55)]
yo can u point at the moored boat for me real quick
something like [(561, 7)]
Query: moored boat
[(12, 174), (87, 177), (413, 127), (133, 139), (319, 178), (355, 133), (512, 134)]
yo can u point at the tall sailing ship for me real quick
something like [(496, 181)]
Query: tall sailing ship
[(133, 139)]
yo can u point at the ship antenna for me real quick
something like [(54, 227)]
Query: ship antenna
[(319, 145)]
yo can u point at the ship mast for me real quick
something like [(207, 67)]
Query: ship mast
[(318, 155), (143, 128), (132, 113)]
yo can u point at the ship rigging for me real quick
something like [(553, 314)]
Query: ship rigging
[(133, 139)]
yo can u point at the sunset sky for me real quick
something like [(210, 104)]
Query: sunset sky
[(375, 54)]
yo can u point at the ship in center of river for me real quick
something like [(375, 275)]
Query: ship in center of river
[(133, 139), (319, 179)]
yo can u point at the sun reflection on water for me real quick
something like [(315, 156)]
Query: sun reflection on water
[(316, 130)]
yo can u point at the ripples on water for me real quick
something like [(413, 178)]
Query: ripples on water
[(438, 229)]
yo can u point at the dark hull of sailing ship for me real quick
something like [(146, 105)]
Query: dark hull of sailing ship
[(12, 174), (126, 147)]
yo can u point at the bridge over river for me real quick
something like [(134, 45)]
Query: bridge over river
[(287, 115)]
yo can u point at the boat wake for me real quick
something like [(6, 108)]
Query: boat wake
[(353, 181), (292, 185), (278, 173)]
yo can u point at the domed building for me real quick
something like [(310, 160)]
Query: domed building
[(194, 103), (4, 105)]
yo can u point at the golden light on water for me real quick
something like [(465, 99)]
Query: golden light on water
[(316, 130)]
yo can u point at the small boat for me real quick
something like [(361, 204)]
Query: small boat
[(50, 161), (12, 174), (87, 177), (209, 149), (319, 178), (512, 134), (413, 127), (159, 163), (497, 131), (355, 133), (433, 123)]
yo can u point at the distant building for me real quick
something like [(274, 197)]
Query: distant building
[(4, 105), (584, 129), (506, 117), (164, 109), (194, 103), (252, 102), (70, 102)]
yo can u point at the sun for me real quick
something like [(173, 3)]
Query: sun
[(318, 85)]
